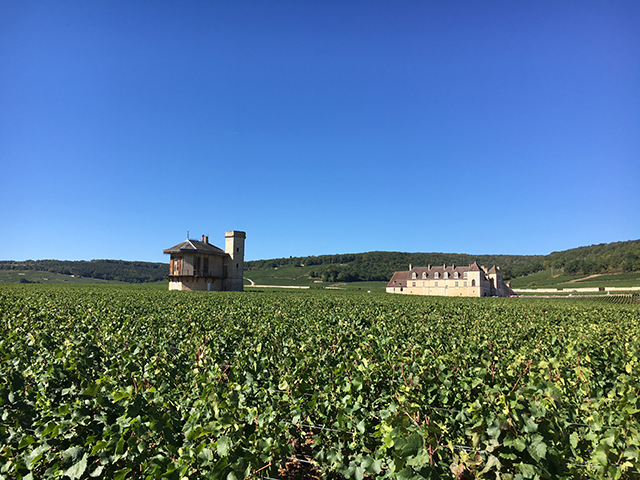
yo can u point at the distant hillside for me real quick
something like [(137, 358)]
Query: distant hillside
[(601, 258), (370, 266), (119, 270), (378, 266)]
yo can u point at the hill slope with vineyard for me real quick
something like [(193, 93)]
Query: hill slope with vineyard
[(361, 267)]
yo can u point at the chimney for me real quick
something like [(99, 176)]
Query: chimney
[(410, 267), (204, 239)]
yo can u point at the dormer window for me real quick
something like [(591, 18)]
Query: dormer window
[(424, 275), (413, 275), (436, 275), (464, 275), (446, 274), (455, 274)]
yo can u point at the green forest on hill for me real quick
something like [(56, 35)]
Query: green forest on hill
[(379, 266), (119, 270), (369, 266)]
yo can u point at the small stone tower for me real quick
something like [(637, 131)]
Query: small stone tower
[(234, 264)]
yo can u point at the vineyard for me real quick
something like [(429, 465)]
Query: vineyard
[(628, 298), (121, 383)]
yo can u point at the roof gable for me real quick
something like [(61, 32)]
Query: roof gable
[(399, 279), (431, 270), (195, 246)]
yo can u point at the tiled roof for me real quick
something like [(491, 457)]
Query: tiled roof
[(399, 279), (440, 270), (195, 246), (432, 270)]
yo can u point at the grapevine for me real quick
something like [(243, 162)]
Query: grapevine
[(114, 382)]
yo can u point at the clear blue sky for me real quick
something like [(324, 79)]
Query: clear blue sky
[(317, 127)]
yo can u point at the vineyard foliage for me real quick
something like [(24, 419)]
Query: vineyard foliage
[(112, 383)]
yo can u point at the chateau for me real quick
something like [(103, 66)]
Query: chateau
[(198, 265), (450, 281)]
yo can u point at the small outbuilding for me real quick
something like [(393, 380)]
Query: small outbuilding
[(199, 265)]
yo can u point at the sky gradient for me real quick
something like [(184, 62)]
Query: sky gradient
[(317, 127)]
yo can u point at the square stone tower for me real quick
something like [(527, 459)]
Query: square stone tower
[(234, 263)]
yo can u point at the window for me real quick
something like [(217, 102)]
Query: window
[(457, 284), (465, 284), (424, 284), (446, 274), (435, 283), (424, 274), (464, 275), (455, 274), (414, 284), (473, 283), (436, 275), (413, 275)]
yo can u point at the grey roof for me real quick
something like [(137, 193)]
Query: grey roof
[(430, 272), (195, 246), (431, 269), (399, 279)]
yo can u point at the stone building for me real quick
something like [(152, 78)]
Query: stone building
[(199, 265), (450, 281)]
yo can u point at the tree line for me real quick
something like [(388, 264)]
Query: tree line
[(119, 270), (379, 266), (600, 258), (369, 266)]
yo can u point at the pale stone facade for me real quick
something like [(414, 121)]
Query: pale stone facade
[(199, 265), (450, 281)]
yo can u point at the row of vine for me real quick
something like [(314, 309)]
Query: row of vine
[(101, 382)]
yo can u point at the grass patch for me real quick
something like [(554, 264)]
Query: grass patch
[(299, 276), (631, 279), (280, 276), (545, 280), (542, 279), (35, 276)]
